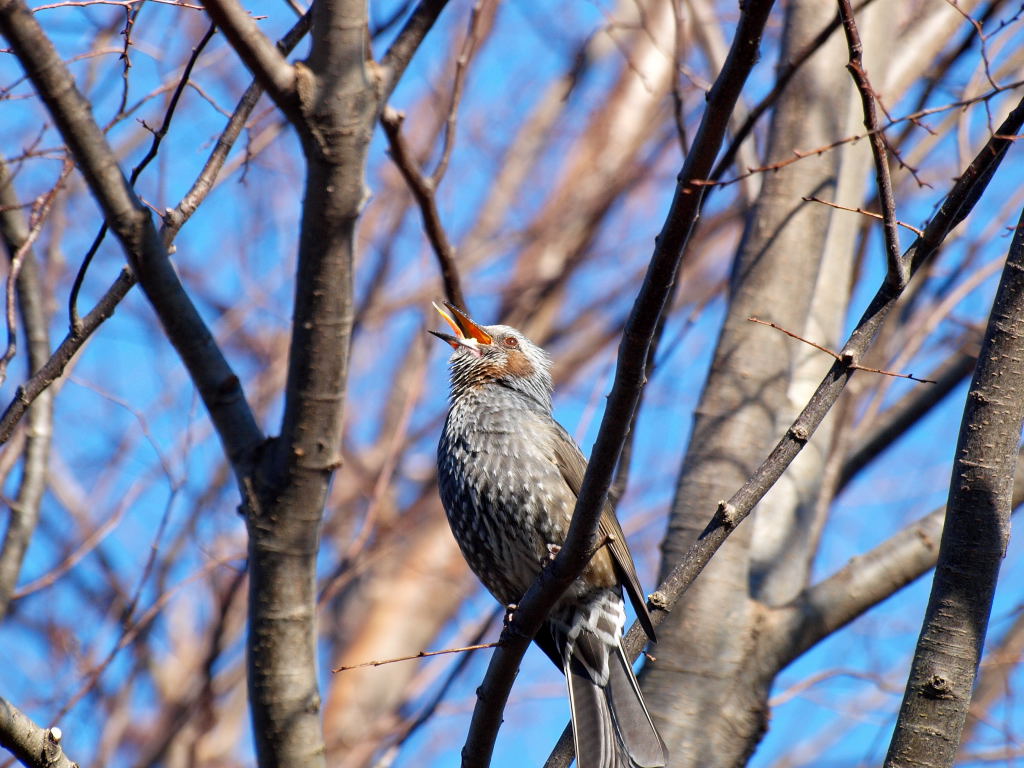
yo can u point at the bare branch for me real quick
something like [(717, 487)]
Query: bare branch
[(875, 135), (906, 412), (262, 57), (836, 355), (24, 511), (420, 655), (974, 537), (398, 56), (34, 746), (861, 211), (423, 189), (629, 381), (133, 225), (470, 46)]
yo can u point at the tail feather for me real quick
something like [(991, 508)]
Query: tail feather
[(611, 727), (636, 731), (593, 728)]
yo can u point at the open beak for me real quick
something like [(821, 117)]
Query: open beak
[(467, 333)]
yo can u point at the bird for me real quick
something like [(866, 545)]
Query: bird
[(508, 477)]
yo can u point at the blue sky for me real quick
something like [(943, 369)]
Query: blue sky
[(134, 443)]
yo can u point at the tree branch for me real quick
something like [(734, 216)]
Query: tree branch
[(285, 504), (905, 412), (629, 381), (955, 207), (398, 56), (423, 189), (33, 746), (24, 511), (173, 220), (262, 57), (974, 537), (133, 226), (875, 137), (861, 584)]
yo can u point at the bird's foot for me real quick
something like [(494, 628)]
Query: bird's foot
[(553, 550), (510, 611)]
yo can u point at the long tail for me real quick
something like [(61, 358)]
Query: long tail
[(611, 725)]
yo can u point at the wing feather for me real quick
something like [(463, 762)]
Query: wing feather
[(572, 464)]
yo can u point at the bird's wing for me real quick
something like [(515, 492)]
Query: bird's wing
[(573, 465)]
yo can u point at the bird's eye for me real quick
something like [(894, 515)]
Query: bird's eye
[(511, 341)]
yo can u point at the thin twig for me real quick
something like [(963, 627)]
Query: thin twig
[(983, 48), (420, 655), (262, 57), (858, 209), (876, 137), (836, 355), (154, 147), (423, 189), (468, 50), (799, 154), (131, 14), (119, 3), (428, 710)]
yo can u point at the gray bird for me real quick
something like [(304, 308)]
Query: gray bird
[(509, 475)]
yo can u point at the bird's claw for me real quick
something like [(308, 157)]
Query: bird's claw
[(553, 550), (510, 611)]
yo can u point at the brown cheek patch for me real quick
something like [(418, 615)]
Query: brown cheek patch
[(518, 365)]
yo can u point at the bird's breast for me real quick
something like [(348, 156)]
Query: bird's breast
[(505, 499)]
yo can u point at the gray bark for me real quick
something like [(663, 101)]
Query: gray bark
[(333, 101), (708, 644), (789, 519), (24, 511), (974, 538), (32, 745)]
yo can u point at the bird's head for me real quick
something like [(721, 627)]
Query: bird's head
[(494, 354)]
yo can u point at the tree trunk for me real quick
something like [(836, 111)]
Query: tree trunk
[(974, 538), (709, 687)]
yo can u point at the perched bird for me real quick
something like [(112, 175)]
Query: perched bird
[(509, 475)]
